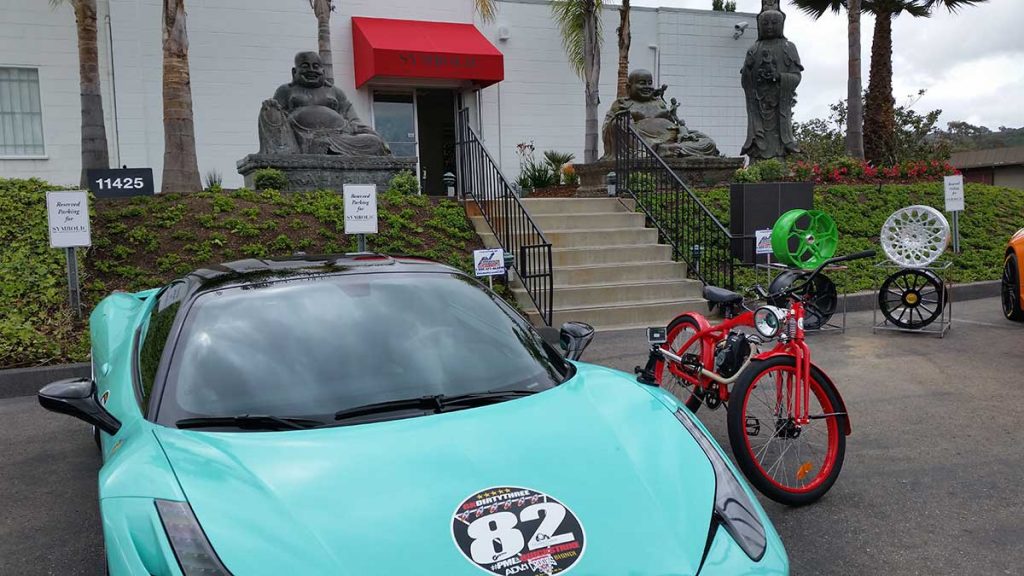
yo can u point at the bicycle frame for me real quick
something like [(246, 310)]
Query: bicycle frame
[(796, 397)]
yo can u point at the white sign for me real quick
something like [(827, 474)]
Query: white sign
[(763, 241), (955, 193), (489, 262), (360, 208), (68, 216)]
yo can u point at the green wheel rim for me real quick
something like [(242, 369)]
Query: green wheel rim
[(804, 238)]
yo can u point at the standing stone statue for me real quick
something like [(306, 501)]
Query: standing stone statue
[(655, 121), (770, 75), (311, 116)]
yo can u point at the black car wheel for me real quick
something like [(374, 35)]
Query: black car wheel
[(820, 298), (912, 298), (1011, 289)]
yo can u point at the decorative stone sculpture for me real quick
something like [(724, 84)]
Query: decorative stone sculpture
[(656, 122), (311, 116), (770, 75)]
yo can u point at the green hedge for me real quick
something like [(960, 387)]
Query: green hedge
[(992, 215)]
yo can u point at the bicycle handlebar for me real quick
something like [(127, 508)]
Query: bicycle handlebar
[(797, 287)]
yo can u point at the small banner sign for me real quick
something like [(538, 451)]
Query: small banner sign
[(954, 193), (763, 241), (121, 182), (360, 208), (489, 262), (67, 214)]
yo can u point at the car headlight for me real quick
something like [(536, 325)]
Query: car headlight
[(191, 547), (733, 508), (768, 320)]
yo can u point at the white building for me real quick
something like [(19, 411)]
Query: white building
[(242, 50)]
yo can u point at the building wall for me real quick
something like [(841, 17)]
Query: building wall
[(241, 51), (34, 34), (1010, 177)]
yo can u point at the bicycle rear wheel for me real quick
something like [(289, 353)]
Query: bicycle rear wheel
[(681, 329), (791, 464)]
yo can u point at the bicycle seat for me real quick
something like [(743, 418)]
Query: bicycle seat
[(717, 295)]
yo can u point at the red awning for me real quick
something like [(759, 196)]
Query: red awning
[(416, 49)]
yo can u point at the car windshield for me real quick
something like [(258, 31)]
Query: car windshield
[(313, 346)]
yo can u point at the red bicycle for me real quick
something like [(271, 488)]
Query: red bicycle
[(787, 422)]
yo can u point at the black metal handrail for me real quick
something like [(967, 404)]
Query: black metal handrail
[(480, 178), (682, 220)]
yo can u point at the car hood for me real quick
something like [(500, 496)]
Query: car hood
[(380, 498)]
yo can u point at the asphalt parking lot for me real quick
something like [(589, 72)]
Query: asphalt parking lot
[(932, 482)]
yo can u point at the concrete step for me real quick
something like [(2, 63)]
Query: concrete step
[(610, 255), (576, 276), (624, 315), (614, 294), (588, 221), (541, 206), (591, 238)]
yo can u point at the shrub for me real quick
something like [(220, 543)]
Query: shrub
[(270, 179), (405, 182), (214, 180), (749, 174), (556, 161), (569, 175), (772, 170)]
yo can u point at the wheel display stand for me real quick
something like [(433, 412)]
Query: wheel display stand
[(837, 322), (941, 325)]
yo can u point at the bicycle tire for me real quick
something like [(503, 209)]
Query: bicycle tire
[(664, 377), (798, 492)]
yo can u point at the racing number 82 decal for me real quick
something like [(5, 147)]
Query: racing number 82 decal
[(508, 530)]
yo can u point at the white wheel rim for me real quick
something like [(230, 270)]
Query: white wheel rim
[(915, 236)]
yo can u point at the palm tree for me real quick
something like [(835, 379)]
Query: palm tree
[(181, 169), (94, 133), (854, 87), (322, 10), (580, 24), (879, 112), (624, 40)]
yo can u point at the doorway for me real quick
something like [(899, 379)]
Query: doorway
[(435, 111)]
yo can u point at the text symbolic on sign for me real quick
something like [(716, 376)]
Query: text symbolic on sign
[(360, 208), (954, 193), (67, 214)]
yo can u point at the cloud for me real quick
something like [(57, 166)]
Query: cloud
[(969, 62)]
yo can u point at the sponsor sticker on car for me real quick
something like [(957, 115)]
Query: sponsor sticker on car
[(509, 530)]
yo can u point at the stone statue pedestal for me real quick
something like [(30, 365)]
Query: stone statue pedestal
[(307, 172), (695, 172)]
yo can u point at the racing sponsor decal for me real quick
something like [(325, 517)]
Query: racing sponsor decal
[(508, 530), (105, 397)]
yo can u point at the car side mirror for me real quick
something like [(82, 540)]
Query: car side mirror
[(77, 397), (574, 338)]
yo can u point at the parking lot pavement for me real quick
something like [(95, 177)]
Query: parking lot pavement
[(931, 484)]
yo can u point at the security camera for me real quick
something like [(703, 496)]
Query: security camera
[(740, 27)]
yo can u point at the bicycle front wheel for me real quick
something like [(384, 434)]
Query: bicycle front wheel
[(789, 463), (681, 329)]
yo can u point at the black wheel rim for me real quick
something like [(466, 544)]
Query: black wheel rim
[(820, 297), (1010, 289), (912, 299)]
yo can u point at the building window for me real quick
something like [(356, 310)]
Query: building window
[(394, 118), (21, 115)]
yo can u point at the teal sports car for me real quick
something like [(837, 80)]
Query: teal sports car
[(369, 415)]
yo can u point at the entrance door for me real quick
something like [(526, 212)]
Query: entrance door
[(436, 112)]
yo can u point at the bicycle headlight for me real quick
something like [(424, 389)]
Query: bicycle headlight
[(191, 547), (769, 320), (733, 508)]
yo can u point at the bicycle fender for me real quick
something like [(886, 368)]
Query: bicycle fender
[(821, 376)]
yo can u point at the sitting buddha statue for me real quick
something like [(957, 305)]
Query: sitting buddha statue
[(656, 122), (311, 116)]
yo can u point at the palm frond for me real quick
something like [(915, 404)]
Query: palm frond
[(953, 6), (570, 17), (817, 8), (487, 9)]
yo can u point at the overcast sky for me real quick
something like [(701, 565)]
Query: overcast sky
[(971, 63)]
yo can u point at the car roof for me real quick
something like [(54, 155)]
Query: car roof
[(255, 271)]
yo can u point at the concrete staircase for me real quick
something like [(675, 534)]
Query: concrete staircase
[(609, 270)]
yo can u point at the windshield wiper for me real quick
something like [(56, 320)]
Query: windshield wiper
[(250, 422), (435, 403)]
